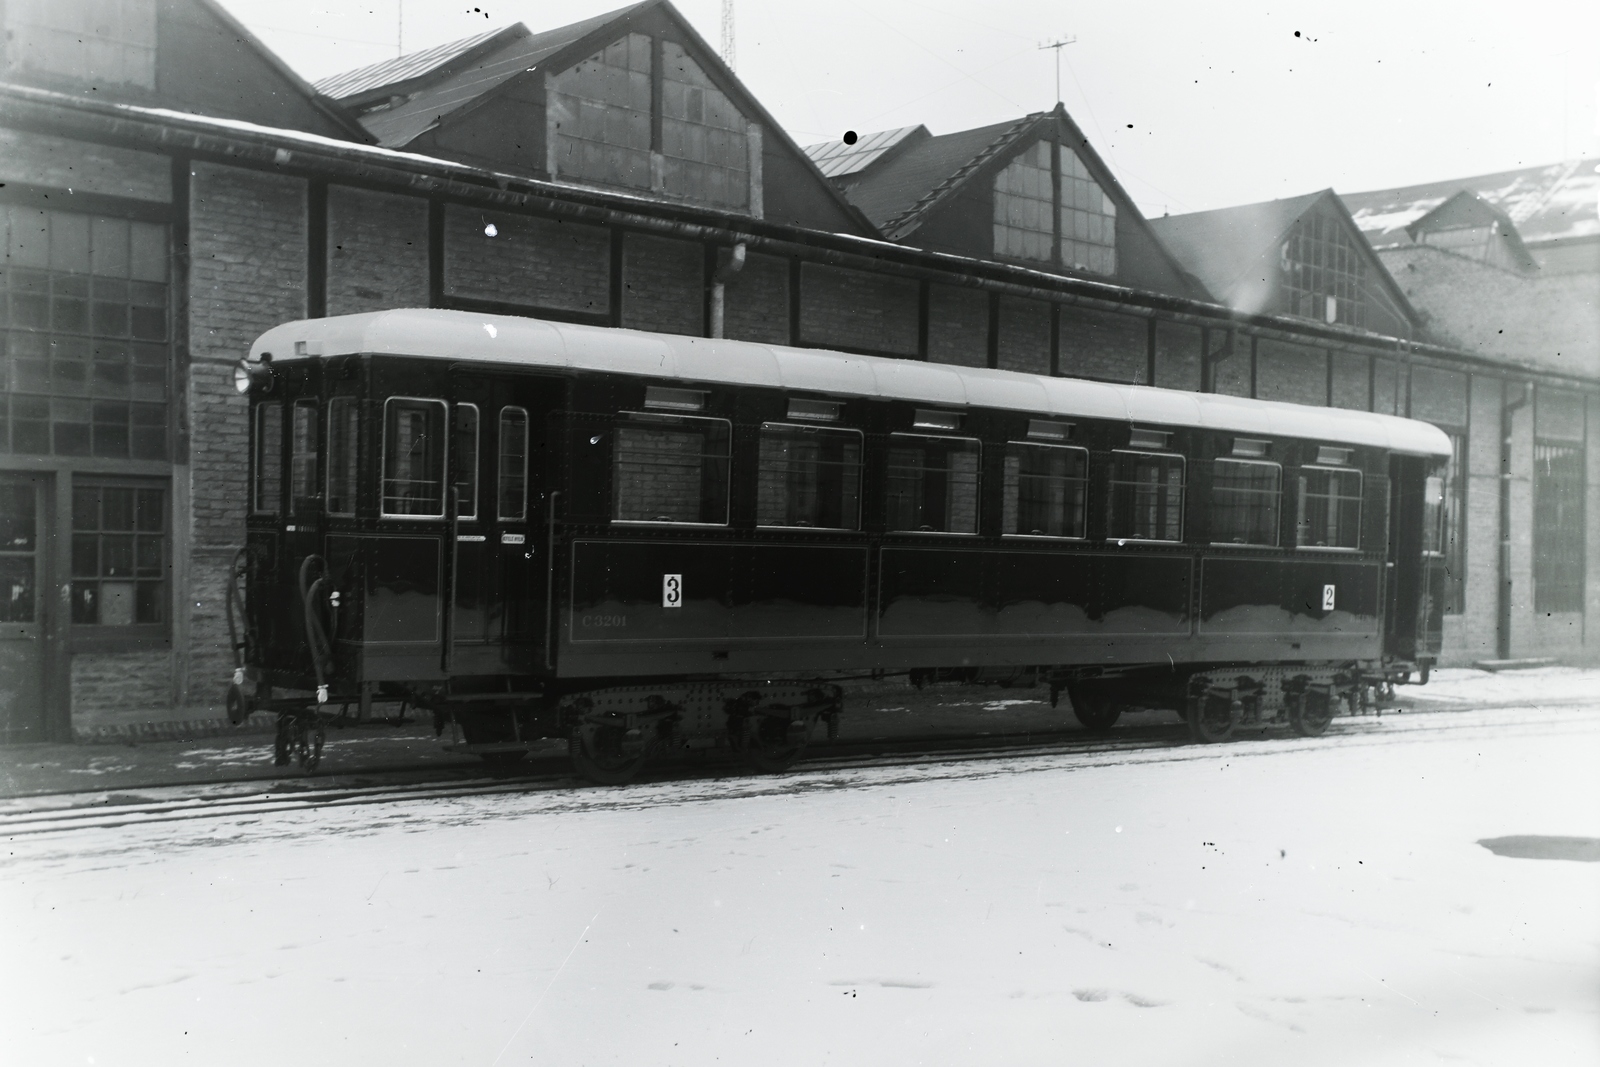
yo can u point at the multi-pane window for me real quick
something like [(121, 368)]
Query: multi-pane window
[(119, 554), (1329, 508), (808, 476), (1451, 531), (1146, 497), (303, 458), (1324, 271), (19, 547), (1027, 214), (703, 136), (1558, 503), (513, 496), (267, 458), (670, 468), (933, 484), (1045, 491), (1244, 502), (413, 457), (602, 111), (84, 335), (466, 445), (343, 423), (102, 42)]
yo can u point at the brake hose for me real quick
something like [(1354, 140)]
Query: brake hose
[(317, 642)]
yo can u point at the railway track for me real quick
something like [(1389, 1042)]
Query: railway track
[(60, 814)]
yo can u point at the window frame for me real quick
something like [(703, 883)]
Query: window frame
[(670, 419), (306, 505), (1112, 483), (477, 459), (811, 428), (383, 461), (1084, 481), (258, 466), (977, 485), (352, 464), (99, 636), (500, 513), (1211, 511), (1360, 499)]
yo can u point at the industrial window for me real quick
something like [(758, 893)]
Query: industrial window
[(933, 484), (1024, 201), (1146, 497), (808, 476), (343, 423), (1027, 214), (1324, 272), (513, 497), (119, 554), (670, 468), (1088, 219), (84, 335), (413, 457), (1244, 502), (103, 42), (1558, 527), (1045, 490), (303, 458), (466, 445), (19, 548), (268, 458), (1329, 514)]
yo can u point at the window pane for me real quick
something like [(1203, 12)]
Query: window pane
[(413, 457), (466, 427), (1046, 489), (933, 484), (1146, 497), (303, 458), (1558, 527), (1244, 502), (342, 422), (1329, 513), (513, 496), (808, 476), (671, 470), (268, 453)]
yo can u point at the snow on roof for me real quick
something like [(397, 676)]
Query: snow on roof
[(836, 158), (1560, 201), (469, 336)]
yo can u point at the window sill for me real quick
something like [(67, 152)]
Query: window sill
[(86, 638)]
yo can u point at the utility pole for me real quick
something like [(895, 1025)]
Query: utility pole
[(1056, 46), (728, 54)]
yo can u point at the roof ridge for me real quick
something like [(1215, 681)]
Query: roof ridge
[(960, 174), (445, 52)]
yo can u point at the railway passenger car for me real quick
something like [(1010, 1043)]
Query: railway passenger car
[(641, 541)]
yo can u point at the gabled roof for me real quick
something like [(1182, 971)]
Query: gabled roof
[(1469, 211), (1549, 203), (404, 68), (838, 160)]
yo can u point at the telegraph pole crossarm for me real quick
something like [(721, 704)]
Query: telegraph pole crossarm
[(1056, 46)]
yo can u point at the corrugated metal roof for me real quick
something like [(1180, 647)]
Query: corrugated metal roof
[(403, 68), (1560, 201), (510, 340), (836, 159)]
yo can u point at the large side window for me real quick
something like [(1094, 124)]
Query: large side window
[(303, 458), (670, 468), (119, 554), (413, 457), (1329, 514), (1146, 497), (466, 445), (1046, 490), (1245, 498), (933, 484), (513, 499), (268, 458), (343, 422), (1558, 526), (809, 476)]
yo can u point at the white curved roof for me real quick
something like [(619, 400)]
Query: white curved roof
[(472, 337)]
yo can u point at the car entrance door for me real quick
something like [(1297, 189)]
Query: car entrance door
[(22, 608)]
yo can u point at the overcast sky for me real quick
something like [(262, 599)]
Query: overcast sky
[(1193, 105)]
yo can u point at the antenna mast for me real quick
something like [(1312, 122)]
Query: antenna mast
[(1056, 46), (728, 54)]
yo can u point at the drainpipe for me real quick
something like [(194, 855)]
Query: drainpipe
[(719, 287), (1508, 413)]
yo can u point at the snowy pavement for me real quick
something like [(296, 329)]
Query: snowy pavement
[(1269, 901)]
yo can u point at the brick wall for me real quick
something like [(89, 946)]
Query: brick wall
[(1024, 335), (1480, 617), (958, 326), (534, 262), (1291, 373), (1177, 356), (1231, 375), (851, 309), (377, 251), (119, 682), (756, 301), (38, 159), (1591, 575), (1388, 387), (1352, 380), (663, 285), (1439, 396), (1102, 344), (1523, 639)]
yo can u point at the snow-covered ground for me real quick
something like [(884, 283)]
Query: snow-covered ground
[(1272, 901)]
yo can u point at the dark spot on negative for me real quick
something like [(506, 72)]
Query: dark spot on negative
[(1535, 847), (850, 137)]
